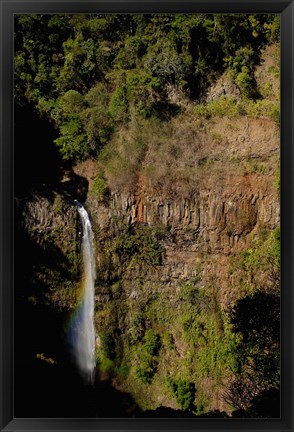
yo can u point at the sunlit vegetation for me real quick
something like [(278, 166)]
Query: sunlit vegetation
[(100, 71), (132, 94)]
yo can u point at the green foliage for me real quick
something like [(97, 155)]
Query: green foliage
[(137, 328), (147, 356), (152, 342), (71, 102), (143, 91), (106, 69), (118, 107), (72, 143), (107, 346), (263, 108), (275, 114), (260, 262), (106, 352), (255, 318), (224, 106), (96, 119), (278, 178), (123, 370), (184, 392), (228, 106), (140, 246), (145, 372), (99, 187), (129, 55), (245, 81), (48, 360), (212, 345)]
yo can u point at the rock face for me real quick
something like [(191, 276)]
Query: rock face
[(219, 219), (224, 86), (49, 218)]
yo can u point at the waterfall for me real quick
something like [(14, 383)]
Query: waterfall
[(82, 335)]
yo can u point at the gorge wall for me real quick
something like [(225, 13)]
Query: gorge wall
[(167, 131), (155, 251)]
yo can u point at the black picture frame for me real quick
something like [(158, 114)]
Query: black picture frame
[(10, 7)]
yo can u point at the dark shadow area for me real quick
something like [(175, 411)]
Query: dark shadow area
[(265, 405), (73, 186), (38, 166), (164, 111), (165, 412), (46, 382), (36, 159), (255, 392), (30, 256), (257, 319), (56, 390)]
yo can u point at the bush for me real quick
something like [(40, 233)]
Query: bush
[(184, 391), (99, 187), (147, 356), (145, 373), (119, 106), (140, 247), (152, 342), (137, 328), (224, 106), (107, 346)]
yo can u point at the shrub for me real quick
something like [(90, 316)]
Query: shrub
[(123, 370), (99, 187), (147, 367), (130, 53), (184, 391), (119, 106), (224, 106), (147, 356), (143, 92), (145, 373), (137, 328), (185, 394), (244, 81), (107, 346), (152, 342), (140, 247)]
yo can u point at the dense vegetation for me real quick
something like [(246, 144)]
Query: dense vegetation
[(132, 94), (91, 73), (175, 345)]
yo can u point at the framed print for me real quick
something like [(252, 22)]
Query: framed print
[(146, 215)]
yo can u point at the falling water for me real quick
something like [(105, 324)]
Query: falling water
[(82, 335)]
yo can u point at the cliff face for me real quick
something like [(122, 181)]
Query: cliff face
[(165, 261), (219, 215), (185, 215), (233, 198), (201, 233), (217, 222)]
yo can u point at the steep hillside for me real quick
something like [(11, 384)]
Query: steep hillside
[(181, 182)]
